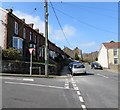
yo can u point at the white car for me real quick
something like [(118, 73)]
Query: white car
[(78, 68)]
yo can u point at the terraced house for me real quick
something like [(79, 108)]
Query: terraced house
[(14, 32), (109, 56)]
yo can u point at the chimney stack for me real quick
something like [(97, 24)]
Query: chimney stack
[(10, 10), (23, 20), (31, 25), (37, 30), (42, 34)]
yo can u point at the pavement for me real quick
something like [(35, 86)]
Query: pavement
[(110, 70), (114, 71)]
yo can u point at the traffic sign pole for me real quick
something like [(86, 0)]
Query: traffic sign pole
[(31, 50), (30, 64)]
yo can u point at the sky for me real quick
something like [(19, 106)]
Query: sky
[(85, 25)]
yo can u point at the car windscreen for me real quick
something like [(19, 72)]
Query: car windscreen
[(79, 66), (97, 64)]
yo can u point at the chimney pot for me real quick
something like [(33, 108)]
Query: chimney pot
[(10, 10), (23, 20)]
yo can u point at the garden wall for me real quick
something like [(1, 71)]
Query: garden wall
[(20, 67)]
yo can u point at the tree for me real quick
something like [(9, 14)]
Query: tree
[(76, 56), (11, 54), (96, 59)]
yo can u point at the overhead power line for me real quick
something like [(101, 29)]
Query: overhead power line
[(59, 23), (89, 7), (93, 10), (85, 23)]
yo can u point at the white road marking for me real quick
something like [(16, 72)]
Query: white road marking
[(37, 85), (83, 106), (74, 85), (78, 92), (20, 79), (6, 78), (103, 76), (67, 87), (26, 79), (73, 82), (72, 79), (76, 88), (66, 84), (81, 99)]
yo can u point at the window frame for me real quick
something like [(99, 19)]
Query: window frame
[(19, 45), (16, 28), (24, 33), (115, 52), (30, 36), (117, 61)]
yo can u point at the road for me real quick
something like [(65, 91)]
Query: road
[(97, 89)]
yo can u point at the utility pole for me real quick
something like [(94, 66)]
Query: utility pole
[(46, 36)]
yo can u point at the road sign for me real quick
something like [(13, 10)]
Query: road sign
[(31, 50)]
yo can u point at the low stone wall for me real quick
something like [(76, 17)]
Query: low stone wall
[(20, 67), (114, 67)]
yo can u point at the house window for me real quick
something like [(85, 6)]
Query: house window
[(35, 39), (30, 36), (20, 46), (115, 52), (16, 28), (15, 42), (24, 33), (18, 43), (41, 52), (34, 49), (115, 60)]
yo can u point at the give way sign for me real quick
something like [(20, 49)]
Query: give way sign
[(31, 50)]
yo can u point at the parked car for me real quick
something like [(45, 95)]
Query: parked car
[(71, 65), (96, 65), (78, 68)]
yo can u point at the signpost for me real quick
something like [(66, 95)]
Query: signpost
[(31, 50)]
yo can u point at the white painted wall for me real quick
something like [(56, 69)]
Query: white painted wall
[(102, 57), (3, 14)]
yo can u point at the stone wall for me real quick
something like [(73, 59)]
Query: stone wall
[(20, 67), (114, 67)]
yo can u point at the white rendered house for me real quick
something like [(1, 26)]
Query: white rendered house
[(108, 54)]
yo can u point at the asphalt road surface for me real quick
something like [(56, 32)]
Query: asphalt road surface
[(97, 89)]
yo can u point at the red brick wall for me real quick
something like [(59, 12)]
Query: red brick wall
[(21, 25)]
